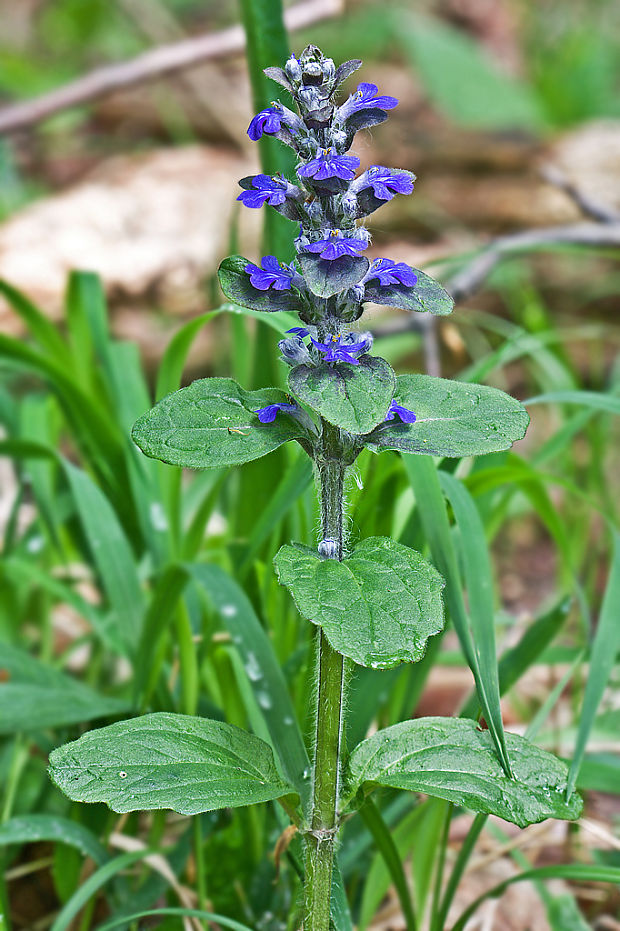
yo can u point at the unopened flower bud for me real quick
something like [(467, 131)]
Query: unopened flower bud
[(293, 69), (329, 69), (312, 73), (328, 549), (294, 351)]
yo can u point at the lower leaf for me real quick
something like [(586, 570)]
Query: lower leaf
[(451, 758), (163, 760)]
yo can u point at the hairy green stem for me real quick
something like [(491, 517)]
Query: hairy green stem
[(322, 831)]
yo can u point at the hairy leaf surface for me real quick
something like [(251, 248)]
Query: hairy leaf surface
[(168, 760), (453, 419), (451, 758), (378, 606), (212, 423), (353, 397), (326, 278)]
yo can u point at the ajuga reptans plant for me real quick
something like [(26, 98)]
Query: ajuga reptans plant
[(375, 603)]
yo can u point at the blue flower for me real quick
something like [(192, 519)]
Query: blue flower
[(389, 272), (364, 99), (396, 410), (336, 245), (270, 121), (268, 414), (340, 350), (385, 182), (272, 191), (299, 331), (328, 164), (273, 274)]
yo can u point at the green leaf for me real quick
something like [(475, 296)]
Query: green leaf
[(34, 696), (212, 423), (451, 758), (32, 828), (325, 278), (453, 419), (163, 760), (235, 283), (126, 920), (264, 672), (467, 85), (353, 397), (378, 606), (426, 295), (602, 658)]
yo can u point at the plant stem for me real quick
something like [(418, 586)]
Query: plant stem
[(321, 837)]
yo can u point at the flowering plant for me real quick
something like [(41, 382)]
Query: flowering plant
[(375, 604)]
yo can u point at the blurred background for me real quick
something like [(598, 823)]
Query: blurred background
[(510, 117)]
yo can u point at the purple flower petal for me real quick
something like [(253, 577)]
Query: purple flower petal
[(397, 410)]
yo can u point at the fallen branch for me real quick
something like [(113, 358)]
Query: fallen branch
[(150, 65)]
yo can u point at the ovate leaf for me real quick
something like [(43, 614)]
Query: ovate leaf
[(353, 397), (426, 295), (451, 758), (163, 760), (212, 423), (453, 419), (235, 283), (378, 606), (326, 278), (34, 695)]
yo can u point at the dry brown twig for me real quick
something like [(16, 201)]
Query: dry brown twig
[(155, 63)]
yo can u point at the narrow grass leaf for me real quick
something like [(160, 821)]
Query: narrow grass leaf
[(263, 670), (34, 695), (173, 913), (603, 654), (479, 584), (34, 828), (388, 850), (430, 502), (596, 400)]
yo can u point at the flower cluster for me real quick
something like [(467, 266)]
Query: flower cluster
[(330, 275)]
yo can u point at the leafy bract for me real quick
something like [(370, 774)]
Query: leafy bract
[(34, 696), (168, 760), (453, 419), (326, 278), (425, 295), (212, 423), (378, 606), (451, 758), (236, 285), (353, 397)]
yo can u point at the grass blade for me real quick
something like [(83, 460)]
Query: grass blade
[(386, 846), (429, 499), (603, 654)]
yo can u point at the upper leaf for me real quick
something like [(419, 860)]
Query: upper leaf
[(235, 283), (167, 760), (378, 606), (212, 423), (326, 278), (453, 419), (426, 295), (451, 758), (353, 397)]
